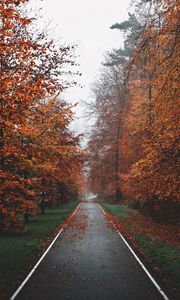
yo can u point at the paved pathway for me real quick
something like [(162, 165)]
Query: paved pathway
[(89, 262)]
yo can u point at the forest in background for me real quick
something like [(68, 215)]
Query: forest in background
[(133, 147)]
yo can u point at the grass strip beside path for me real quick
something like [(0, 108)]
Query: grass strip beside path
[(157, 243), (116, 210), (19, 252)]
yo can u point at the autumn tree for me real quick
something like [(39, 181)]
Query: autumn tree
[(148, 140), (35, 142), (113, 87), (154, 178), (104, 155)]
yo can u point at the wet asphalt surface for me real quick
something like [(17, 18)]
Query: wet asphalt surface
[(89, 261)]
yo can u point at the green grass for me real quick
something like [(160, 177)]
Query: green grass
[(116, 209), (168, 257), (19, 252)]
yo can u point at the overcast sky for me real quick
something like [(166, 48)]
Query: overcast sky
[(86, 22)]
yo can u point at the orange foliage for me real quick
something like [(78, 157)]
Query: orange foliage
[(153, 174), (147, 121), (37, 150)]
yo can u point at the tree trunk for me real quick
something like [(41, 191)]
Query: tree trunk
[(121, 100), (118, 194), (42, 207), (26, 218), (150, 98)]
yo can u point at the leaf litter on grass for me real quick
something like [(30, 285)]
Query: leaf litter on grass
[(164, 236)]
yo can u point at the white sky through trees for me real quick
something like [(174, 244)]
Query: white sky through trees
[(86, 22)]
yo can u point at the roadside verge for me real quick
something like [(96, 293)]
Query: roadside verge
[(19, 253), (161, 256)]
